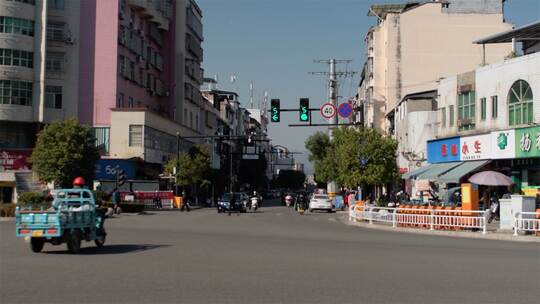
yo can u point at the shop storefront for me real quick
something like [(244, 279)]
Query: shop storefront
[(514, 152), (11, 162)]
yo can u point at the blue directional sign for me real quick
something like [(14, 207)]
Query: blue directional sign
[(345, 110)]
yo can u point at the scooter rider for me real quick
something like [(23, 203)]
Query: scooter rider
[(255, 197), (301, 203)]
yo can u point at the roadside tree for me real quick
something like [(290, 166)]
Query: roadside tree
[(65, 150), (194, 168)]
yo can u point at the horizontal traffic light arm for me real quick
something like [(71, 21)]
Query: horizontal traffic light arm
[(297, 110), (323, 125)]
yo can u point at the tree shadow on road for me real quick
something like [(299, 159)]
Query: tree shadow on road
[(111, 249)]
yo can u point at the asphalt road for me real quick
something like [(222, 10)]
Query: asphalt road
[(274, 256)]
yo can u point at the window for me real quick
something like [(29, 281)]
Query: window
[(122, 65), (53, 97), (55, 4), (16, 92), (135, 135), (130, 102), (197, 122), (54, 62), (520, 104), (191, 120), (132, 70), (483, 108), (14, 25), (158, 140), (16, 58), (102, 135), (122, 37), (451, 110), (466, 111), (443, 117), (55, 31), (31, 2), (494, 107), (120, 103), (185, 117)]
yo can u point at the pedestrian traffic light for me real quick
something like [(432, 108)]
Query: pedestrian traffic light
[(304, 109), (274, 110), (120, 177)]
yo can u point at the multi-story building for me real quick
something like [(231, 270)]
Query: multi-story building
[(489, 119), (39, 83), (137, 88), (415, 44), (129, 68), (39, 65)]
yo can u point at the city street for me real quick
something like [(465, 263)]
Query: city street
[(273, 256)]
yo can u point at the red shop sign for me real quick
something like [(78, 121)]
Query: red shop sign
[(12, 160)]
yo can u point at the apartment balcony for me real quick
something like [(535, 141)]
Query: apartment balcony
[(159, 11)]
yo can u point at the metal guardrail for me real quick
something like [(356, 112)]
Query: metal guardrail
[(526, 221), (434, 219)]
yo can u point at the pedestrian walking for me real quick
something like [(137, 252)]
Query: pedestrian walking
[(157, 202), (351, 201), (185, 202), (116, 201)]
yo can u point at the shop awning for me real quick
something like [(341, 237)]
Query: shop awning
[(415, 173), (454, 175), (436, 170)]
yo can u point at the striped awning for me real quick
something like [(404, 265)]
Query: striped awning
[(437, 170), (454, 175)]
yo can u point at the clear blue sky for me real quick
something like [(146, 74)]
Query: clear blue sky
[(274, 42)]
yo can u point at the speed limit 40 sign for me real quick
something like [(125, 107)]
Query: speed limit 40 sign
[(328, 110)]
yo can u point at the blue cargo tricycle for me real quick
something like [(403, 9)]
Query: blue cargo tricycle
[(72, 218)]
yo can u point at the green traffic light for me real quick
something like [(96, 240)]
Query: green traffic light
[(275, 115), (304, 114)]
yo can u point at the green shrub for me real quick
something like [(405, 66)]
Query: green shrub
[(7, 210), (33, 200)]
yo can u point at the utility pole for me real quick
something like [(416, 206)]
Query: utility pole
[(333, 98), (177, 168), (251, 95)]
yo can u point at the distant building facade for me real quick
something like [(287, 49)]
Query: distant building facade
[(413, 45)]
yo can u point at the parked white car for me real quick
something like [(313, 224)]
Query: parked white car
[(320, 202)]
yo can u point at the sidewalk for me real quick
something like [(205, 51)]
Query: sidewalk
[(492, 234)]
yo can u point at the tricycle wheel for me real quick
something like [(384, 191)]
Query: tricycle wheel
[(100, 242), (37, 244), (74, 241)]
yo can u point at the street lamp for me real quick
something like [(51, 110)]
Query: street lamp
[(177, 162)]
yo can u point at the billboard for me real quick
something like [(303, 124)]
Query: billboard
[(106, 168), (14, 160)]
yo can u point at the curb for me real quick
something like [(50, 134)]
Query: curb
[(7, 219), (498, 236)]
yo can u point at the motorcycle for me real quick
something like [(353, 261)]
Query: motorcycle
[(288, 200), (254, 203)]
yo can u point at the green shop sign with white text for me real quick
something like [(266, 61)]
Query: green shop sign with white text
[(528, 142)]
